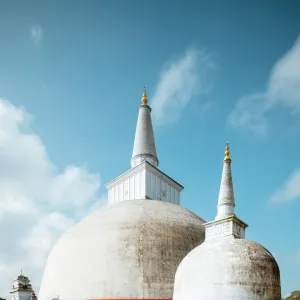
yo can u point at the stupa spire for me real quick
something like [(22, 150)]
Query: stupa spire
[(144, 144), (227, 152), (226, 222), (144, 97), (226, 202)]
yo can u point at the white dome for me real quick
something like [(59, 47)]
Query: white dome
[(228, 268), (128, 250)]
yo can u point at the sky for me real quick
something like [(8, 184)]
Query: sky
[(72, 75)]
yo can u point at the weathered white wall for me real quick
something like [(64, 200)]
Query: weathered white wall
[(18, 290), (21, 296), (159, 187), (228, 268), (225, 227), (127, 250), (131, 187), (143, 182)]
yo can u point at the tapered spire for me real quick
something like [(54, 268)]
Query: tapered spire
[(226, 223), (226, 201), (227, 152), (144, 98), (144, 144)]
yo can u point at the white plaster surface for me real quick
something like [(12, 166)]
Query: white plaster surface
[(144, 144), (21, 296), (144, 182), (21, 289), (126, 250), (226, 202), (228, 268), (225, 227)]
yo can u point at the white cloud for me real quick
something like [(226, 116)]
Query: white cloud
[(36, 34), (290, 189), (298, 256), (179, 82), (38, 203), (249, 113), (283, 89)]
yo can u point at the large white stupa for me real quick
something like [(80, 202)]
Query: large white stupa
[(131, 248), (226, 266)]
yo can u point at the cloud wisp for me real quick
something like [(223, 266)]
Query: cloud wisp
[(290, 190), (38, 203), (298, 256), (283, 90), (36, 34), (179, 82)]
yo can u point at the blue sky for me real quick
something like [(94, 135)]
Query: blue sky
[(71, 78)]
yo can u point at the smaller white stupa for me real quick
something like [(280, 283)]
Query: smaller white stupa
[(226, 266), (22, 289)]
